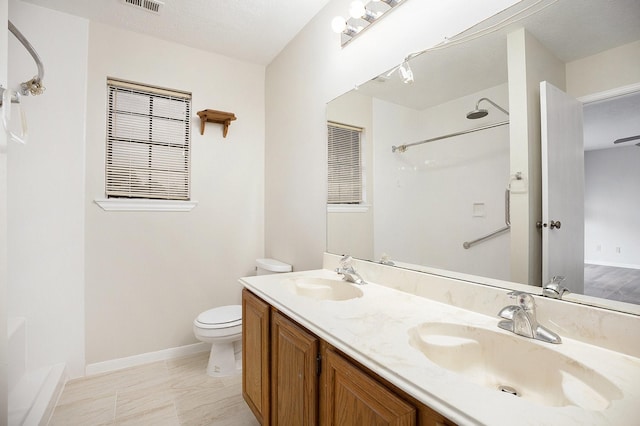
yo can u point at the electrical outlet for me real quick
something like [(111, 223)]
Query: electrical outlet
[(599, 247), (618, 250)]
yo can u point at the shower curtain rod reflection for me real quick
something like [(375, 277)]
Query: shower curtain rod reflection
[(403, 148)]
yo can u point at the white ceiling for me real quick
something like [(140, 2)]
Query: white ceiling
[(572, 29), (610, 120), (250, 30)]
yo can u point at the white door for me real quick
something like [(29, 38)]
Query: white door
[(562, 188)]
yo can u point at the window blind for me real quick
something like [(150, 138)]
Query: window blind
[(148, 142), (345, 164)]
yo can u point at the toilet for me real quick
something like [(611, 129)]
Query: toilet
[(222, 327)]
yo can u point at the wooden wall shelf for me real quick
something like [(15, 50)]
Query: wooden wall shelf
[(219, 117)]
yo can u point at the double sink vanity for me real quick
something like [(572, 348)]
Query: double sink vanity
[(412, 348)]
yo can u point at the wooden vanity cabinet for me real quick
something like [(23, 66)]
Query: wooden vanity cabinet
[(294, 373), (255, 355), (352, 397), (291, 377)]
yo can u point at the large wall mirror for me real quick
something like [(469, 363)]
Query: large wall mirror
[(459, 167)]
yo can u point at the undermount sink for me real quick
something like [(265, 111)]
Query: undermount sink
[(323, 288), (514, 365)]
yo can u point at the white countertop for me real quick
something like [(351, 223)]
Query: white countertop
[(374, 330)]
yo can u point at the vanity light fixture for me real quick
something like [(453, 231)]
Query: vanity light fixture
[(361, 17)]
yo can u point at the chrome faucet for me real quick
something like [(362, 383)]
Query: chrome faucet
[(553, 288), (348, 272), (384, 260), (521, 319)]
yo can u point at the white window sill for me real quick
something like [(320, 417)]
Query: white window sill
[(348, 208), (126, 205)]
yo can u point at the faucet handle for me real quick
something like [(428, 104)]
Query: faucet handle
[(508, 312), (525, 300), (345, 261)]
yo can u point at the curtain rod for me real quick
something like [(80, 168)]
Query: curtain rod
[(403, 148)]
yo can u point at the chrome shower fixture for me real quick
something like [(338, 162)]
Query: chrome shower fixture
[(479, 113)]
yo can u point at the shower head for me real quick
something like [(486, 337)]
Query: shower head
[(479, 113)]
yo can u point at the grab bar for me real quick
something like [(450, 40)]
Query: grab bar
[(507, 221), (33, 86), (507, 207), (468, 244)]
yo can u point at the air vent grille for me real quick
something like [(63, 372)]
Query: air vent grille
[(148, 5)]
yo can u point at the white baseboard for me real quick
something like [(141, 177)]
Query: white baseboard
[(615, 264), (132, 361)]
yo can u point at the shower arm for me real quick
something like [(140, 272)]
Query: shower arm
[(33, 86), (492, 103)]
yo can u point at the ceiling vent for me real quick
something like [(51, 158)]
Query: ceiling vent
[(148, 5)]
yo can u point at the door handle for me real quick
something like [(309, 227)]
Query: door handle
[(554, 224)]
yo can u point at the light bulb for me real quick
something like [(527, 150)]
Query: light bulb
[(338, 24), (356, 9), (406, 73)]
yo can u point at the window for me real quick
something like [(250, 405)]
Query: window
[(345, 164), (148, 142)]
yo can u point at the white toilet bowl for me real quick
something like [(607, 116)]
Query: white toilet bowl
[(222, 327)]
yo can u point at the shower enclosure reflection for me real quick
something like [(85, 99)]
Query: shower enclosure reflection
[(430, 199)]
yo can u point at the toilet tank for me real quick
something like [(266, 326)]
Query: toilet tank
[(271, 266)]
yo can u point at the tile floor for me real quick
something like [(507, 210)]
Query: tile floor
[(622, 284), (172, 392)]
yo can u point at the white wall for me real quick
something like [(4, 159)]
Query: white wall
[(46, 189), (3, 226), (309, 72), (395, 183), (612, 203), (149, 274), (604, 71), (425, 196)]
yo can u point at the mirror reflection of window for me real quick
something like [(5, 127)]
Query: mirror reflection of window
[(344, 164)]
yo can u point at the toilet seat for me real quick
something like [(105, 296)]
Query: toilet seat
[(221, 317)]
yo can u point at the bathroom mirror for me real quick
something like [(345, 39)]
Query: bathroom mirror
[(441, 203)]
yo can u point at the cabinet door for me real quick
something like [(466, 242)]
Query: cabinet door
[(351, 397), (255, 355), (294, 374)]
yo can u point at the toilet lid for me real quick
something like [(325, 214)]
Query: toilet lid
[(224, 316)]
